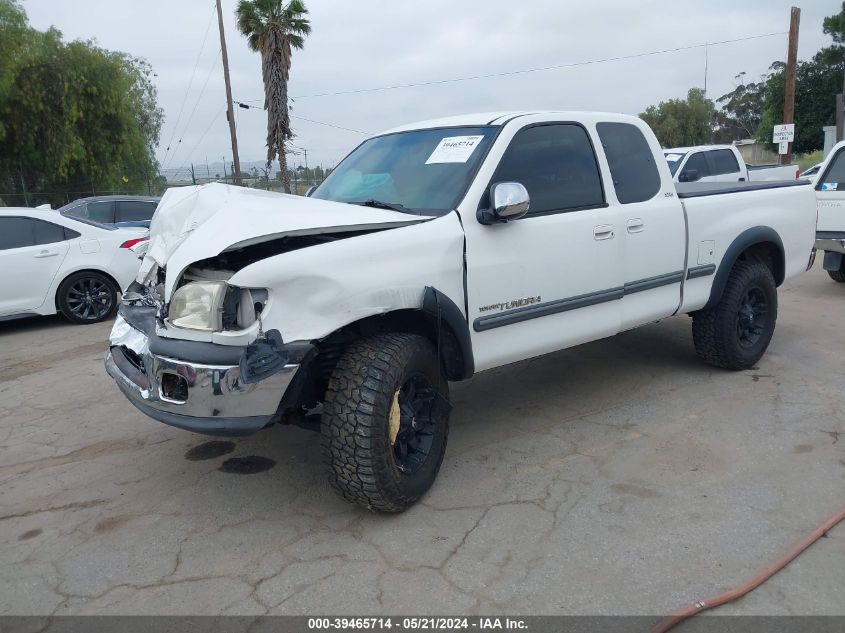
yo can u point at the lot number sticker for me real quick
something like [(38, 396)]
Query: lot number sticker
[(672, 158), (830, 186), (454, 149)]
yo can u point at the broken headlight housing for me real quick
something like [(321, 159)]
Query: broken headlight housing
[(214, 306), (198, 305)]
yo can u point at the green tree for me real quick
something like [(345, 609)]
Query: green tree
[(274, 28), (817, 82), (741, 111), (76, 118), (681, 122)]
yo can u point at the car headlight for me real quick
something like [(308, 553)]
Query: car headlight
[(198, 305)]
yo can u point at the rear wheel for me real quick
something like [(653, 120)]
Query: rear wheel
[(87, 297), (838, 275), (385, 421), (736, 332)]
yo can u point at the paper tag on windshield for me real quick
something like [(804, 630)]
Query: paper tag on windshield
[(454, 149), (672, 158)]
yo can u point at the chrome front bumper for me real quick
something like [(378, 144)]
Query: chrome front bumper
[(209, 399)]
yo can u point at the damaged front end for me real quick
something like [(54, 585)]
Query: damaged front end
[(199, 342), (197, 385)]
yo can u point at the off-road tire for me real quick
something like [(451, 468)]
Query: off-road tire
[(68, 294), (715, 330), (359, 458)]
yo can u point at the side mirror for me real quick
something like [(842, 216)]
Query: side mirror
[(509, 201), (310, 190), (689, 175)]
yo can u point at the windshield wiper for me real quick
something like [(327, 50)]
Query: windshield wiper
[(391, 206)]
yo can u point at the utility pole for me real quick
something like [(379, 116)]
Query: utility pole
[(230, 111), (193, 175), (224, 169), (789, 88)]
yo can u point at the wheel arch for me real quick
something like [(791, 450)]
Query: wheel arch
[(759, 243), (438, 319)]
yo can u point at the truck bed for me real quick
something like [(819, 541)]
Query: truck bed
[(700, 189)]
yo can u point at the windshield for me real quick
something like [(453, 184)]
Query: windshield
[(426, 171), (674, 159)]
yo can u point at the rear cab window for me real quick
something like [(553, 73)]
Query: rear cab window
[(722, 161), (631, 162)]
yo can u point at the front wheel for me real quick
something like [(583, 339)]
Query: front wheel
[(736, 332), (385, 421), (838, 275)]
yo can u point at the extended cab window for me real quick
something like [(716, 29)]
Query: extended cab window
[(723, 161), (834, 178), (631, 162), (695, 169), (557, 166)]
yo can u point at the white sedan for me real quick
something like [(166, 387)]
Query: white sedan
[(52, 263)]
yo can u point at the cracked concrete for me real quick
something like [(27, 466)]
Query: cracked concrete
[(620, 477)]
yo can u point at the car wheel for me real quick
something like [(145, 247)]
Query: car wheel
[(736, 332), (87, 297), (385, 421)]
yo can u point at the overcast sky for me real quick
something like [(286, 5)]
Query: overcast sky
[(374, 43)]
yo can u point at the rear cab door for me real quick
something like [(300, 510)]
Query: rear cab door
[(553, 278), (651, 222)]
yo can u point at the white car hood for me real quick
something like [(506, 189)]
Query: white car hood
[(197, 222)]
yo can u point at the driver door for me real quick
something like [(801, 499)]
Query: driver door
[(552, 278)]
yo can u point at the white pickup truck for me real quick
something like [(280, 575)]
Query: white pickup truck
[(432, 252), (830, 193), (721, 163)]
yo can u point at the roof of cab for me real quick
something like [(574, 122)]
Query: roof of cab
[(697, 148), (500, 118)]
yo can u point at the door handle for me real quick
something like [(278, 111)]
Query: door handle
[(44, 254), (635, 225), (603, 232)]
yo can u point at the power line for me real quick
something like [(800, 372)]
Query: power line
[(193, 149), (539, 68), (246, 106), (190, 83), (196, 104)]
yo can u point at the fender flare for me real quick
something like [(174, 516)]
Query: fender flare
[(439, 307), (745, 240)]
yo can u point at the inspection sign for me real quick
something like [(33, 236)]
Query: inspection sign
[(784, 133)]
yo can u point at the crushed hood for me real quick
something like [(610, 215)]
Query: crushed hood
[(198, 222)]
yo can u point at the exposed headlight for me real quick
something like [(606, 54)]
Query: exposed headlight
[(198, 305)]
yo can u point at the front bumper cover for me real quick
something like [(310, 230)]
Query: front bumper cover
[(211, 399)]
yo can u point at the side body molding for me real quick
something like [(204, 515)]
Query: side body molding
[(746, 239), (443, 310)]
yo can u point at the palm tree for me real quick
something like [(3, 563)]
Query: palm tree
[(274, 28)]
